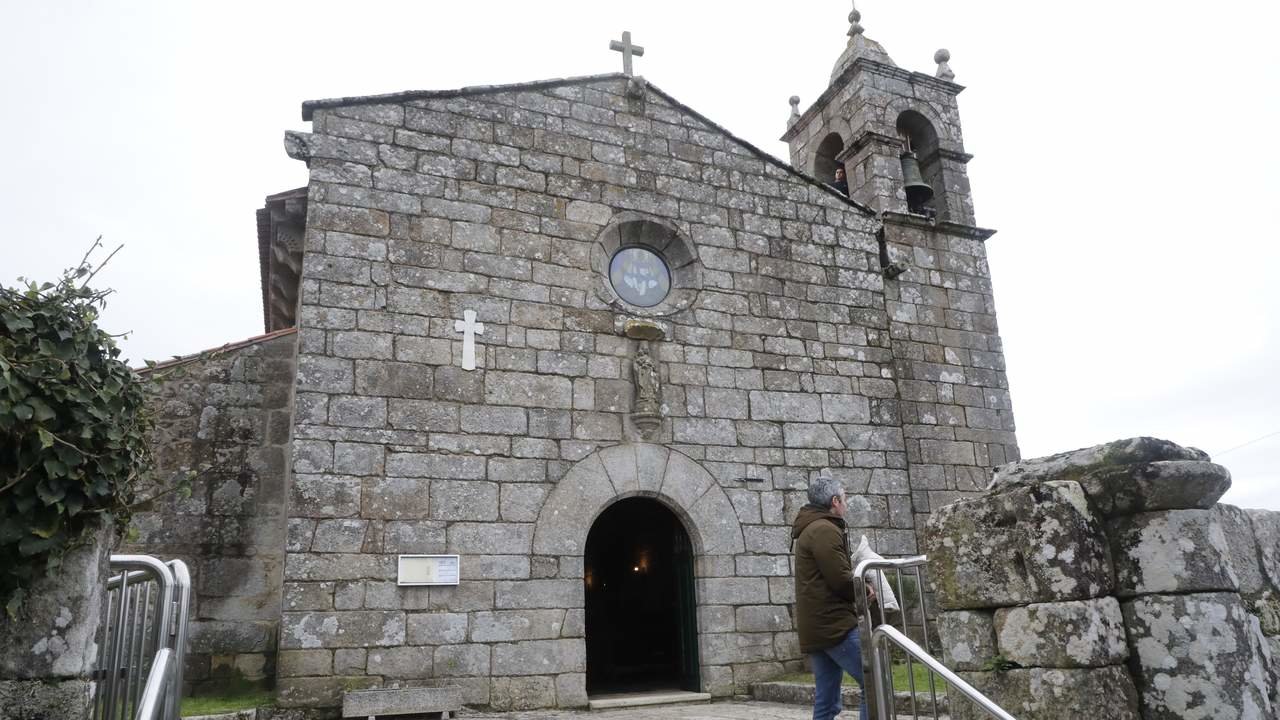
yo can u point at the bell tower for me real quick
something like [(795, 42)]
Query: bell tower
[(897, 135), (895, 132)]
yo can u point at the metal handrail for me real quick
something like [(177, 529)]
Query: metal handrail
[(153, 695), (882, 634), (148, 602), (885, 635)]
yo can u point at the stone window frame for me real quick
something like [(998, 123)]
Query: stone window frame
[(663, 238)]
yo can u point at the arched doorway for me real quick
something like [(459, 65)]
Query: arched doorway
[(640, 610)]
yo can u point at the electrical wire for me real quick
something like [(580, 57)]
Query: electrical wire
[(1242, 445)]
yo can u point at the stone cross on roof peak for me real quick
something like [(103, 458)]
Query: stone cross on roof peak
[(627, 49)]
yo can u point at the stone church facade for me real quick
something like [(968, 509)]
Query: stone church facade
[(617, 471)]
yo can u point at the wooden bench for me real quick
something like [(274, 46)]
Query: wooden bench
[(418, 702)]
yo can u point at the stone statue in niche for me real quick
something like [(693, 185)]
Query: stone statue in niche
[(647, 411)]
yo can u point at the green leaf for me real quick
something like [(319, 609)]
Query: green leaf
[(74, 503), (49, 491), (23, 411), (54, 467), (46, 524), (41, 411), (46, 438)]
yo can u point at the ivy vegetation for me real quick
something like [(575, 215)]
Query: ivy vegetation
[(73, 427)]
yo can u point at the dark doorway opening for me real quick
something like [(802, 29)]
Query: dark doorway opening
[(640, 610)]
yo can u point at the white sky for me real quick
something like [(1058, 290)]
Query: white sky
[(1125, 151)]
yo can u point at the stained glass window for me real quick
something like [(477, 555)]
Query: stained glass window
[(639, 276)]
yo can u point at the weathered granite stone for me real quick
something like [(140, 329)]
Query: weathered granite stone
[(462, 660), (1076, 634), (342, 629), (511, 626), (1055, 694), (571, 690), (1173, 551), (540, 657), (1039, 543), (522, 693), (1243, 545), (1194, 656), (1266, 528), (1162, 485), (46, 700), (54, 636), (400, 662), (438, 628), (968, 638), (302, 663), (1075, 464), (325, 691)]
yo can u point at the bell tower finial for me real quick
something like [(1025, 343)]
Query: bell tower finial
[(855, 17)]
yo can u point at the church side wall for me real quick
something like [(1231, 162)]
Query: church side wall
[(226, 417), (780, 369)]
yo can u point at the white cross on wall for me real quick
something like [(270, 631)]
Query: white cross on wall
[(627, 49), (469, 329)]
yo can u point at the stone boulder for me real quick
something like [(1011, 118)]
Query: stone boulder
[(55, 634), (1245, 558), (1195, 656), (1076, 634), (1173, 551), (1031, 544), (1075, 464), (968, 638), (1052, 694), (1163, 485), (1266, 528)]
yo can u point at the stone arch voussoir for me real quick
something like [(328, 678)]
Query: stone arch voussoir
[(637, 470)]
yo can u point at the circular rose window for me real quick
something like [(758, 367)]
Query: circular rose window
[(639, 276)]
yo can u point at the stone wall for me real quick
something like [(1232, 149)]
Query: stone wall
[(1106, 582), (778, 365), (48, 653), (224, 416)]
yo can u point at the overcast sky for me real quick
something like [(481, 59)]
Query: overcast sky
[(1125, 151)]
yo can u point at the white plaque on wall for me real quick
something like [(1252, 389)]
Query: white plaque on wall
[(428, 570)]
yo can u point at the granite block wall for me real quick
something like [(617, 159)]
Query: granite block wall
[(223, 419), (1110, 569)]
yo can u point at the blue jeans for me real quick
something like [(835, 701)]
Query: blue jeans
[(829, 667)]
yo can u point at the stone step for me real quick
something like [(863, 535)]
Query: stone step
[(640, 699)]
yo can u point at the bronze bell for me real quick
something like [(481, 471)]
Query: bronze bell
[(918, 191)]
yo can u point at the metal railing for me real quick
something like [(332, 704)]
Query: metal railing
[(144, 639), (888, 643)]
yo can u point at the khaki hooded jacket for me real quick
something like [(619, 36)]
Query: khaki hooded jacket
[(825, 590)]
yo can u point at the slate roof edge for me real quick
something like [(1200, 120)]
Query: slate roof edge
[(763, 155), (211, 352), (310, 106)]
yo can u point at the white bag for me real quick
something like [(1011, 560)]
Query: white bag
[(874, 578)]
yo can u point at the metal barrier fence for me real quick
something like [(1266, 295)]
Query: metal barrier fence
[(889, 644), (143, 640)]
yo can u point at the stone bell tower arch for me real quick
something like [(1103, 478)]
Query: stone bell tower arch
[(881, 110)]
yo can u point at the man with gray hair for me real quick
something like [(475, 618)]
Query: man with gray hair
[(826, 618)]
